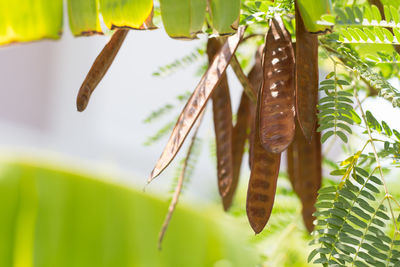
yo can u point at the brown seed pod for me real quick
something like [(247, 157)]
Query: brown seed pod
[(262, 184), (277, 107), (306, 77), (197, 102), (239, 137), (256, 79), (100, 67), (305, 172), (222, 115)]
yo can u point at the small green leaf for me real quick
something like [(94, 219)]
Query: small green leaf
[(328, 189), (378, 32), (312, 255), (376, 180), (361, 171), (387, 129), (372, 188), (326, 135), (342, 136), (370, 34), (397, 134), (376, 14), (395, 14)]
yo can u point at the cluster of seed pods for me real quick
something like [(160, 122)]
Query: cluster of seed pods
[(284, 81), (283, 119)]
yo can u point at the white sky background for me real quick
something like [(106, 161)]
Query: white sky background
[(39, 83)]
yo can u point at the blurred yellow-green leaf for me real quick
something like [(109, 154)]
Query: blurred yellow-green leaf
[(83, 17), (183, 18), (127, 13), (225, 15), (51, 217), (30, 20), (311, 12)]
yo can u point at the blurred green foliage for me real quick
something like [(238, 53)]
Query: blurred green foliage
[(51, 217)]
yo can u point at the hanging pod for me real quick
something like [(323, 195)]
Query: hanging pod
[(222, 115), (277, 97), (306, 77), (239, 137), (99, 68), (305, 172), (197, 101), (262, 184), (256, 79)]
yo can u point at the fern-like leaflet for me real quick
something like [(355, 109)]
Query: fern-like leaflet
[(335, 109)]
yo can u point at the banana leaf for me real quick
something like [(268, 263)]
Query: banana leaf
[(32, 20), (52, 217), (183, 18)]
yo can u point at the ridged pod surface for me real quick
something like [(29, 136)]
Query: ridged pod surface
[(222, 115), (305, 172), (277, 97), (262, 184), (197, 101), (239, 137), (306, 77), (99, 68)]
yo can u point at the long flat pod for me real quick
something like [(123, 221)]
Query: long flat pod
[(239, 137), (197, 101), (305, 172), (306, 77), (222, 115), (262, 183), (256, 79), (99, 68), (277, 106)]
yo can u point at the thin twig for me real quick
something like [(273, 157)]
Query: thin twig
[(388, 196), (178, 188), (252, 36), (248, 89)]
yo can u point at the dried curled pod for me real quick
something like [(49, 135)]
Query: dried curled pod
[(305, 172), (277, 105), (222, 115), (306, 77), (262, 184), (99, 68)]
